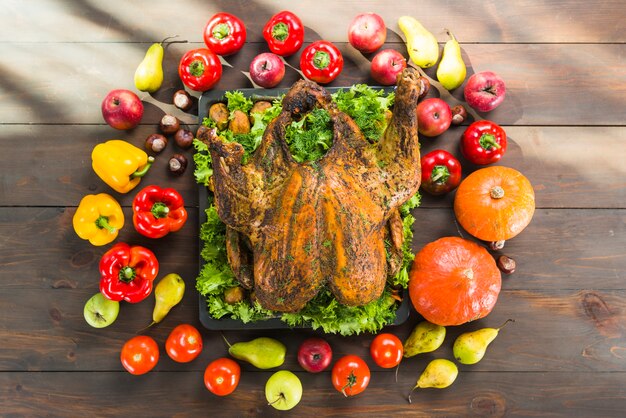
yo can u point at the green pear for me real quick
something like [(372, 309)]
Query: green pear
[(149, 73), (440, 373), (470, 347), (424, 338), (263, 352), (451, 70), (421, 45)]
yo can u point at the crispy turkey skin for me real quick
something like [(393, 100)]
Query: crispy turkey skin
[(296, 227)]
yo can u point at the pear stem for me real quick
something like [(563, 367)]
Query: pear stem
[(411, 392), (505, 322), (225, 340), (450, 34), (173, 42)]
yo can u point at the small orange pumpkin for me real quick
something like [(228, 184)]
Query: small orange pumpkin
[(494, 203), (454, 281)]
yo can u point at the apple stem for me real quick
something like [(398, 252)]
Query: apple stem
[(280, 396)]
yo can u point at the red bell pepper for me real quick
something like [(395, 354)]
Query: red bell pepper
[(127, 273), (483, 142), (441, 172), (200, 69), (157, 211), (224, 34), (321, 62), (284, 33)]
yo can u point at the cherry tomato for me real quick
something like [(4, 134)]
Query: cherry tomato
[(350, 375), (139, 354), (184, 343), (221, 376), (386, 350)]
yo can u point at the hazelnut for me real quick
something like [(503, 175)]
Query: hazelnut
[(156, 143), (169, 124), (177, 164), (182, 100), (184, 138)]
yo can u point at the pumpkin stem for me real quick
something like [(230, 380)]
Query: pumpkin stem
[(496, 192), (469, 274)]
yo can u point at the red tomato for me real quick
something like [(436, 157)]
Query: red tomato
[(140, 354), (200, 69), (386, 350), (221, 376), (321, 62), (350, 375), (184, 343)]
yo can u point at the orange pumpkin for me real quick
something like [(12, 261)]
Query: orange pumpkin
[(454, 281), (494, 203)]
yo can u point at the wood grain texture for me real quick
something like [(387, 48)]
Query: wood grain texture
[(580, 249), (555, 76), (563, 62), (566, 170), (182, 394), (44, 330), (472, 21)]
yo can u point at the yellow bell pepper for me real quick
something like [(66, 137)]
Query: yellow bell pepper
[(120, 164), (98, 218)]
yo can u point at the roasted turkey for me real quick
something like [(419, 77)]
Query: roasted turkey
[(293, 228)]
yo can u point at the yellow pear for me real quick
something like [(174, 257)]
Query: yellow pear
[(424, 338), (470, 347), (149, 73), (421, 45), (451, 70), (440, 373)]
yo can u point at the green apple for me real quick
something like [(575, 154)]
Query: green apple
[(283, 390), (100, 312)]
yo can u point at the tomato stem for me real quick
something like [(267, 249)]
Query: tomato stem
[(351, 382), (221, 31), (488, 141), (321, 60), (196, 68)]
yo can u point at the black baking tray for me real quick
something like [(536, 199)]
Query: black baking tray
[(227, 324)]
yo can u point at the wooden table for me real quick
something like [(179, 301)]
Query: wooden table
[(564, 65)]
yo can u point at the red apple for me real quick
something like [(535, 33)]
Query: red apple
[(267, 70), (433, 117), (314, 355), (484, 91), (367, 32), (122, 109), (386, 66)]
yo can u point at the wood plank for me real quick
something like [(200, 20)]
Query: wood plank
[(560, 249), (472, 21), (79, 75), (50, 165), (44, 330), (576, 394)]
